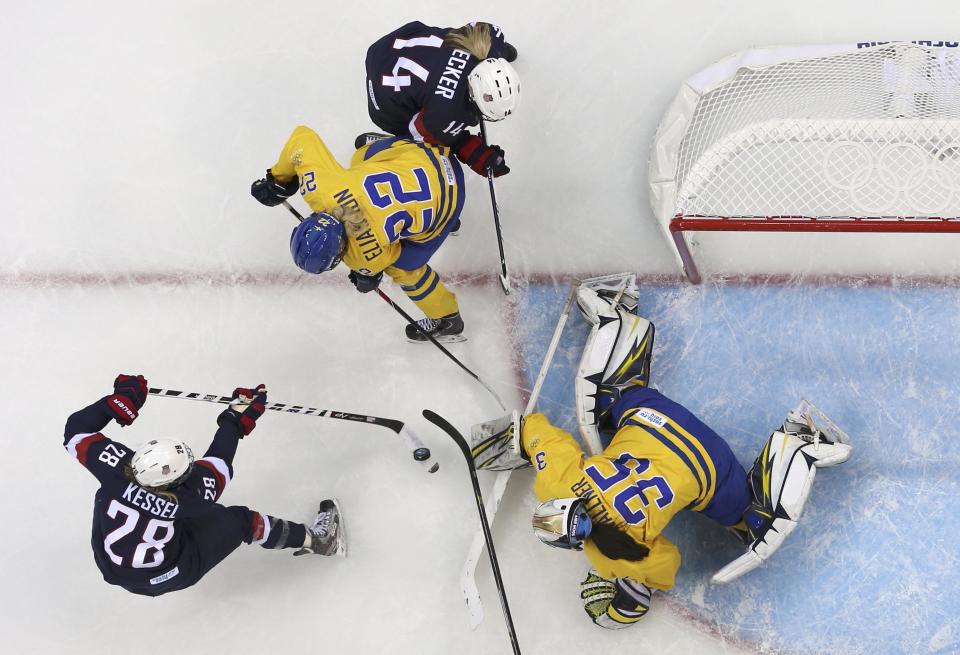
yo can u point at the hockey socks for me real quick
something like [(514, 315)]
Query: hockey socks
[(271, 532)]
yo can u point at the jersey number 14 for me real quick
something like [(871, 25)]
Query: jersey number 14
[(398, 81)]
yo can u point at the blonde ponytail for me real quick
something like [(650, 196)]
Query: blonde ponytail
[(474, 39)]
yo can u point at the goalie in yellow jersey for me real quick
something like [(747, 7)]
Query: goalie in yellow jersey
[(661, 459), (388, 212)]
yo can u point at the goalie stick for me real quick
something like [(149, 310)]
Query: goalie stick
[(420, 452), (468, 577), (387, 299), (504, 274), (444, 425)]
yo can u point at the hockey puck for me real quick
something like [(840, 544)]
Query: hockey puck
[(421, 454)]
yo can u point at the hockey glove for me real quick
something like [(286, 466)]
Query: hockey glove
[(479, 157), (495, 445), (246, 407), (129, 394), (271, 193), (365, 283), (614, 604), (597, 593)]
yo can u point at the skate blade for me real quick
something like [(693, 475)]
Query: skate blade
[(452, 338)]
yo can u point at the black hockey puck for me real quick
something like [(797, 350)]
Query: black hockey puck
[(421, 454)]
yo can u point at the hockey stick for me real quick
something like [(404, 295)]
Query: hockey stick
[(420, 452), (468, 577), (446, 352), (504, 275), (387, 299), (444, 425)]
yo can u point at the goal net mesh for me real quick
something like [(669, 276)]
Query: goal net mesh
[(869, 133)]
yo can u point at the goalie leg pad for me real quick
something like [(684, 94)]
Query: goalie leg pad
[(616, 356), (596, 296), (781, 479)]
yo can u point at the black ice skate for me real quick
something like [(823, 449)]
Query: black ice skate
[(326, 532), (367, 138), (448, 329)]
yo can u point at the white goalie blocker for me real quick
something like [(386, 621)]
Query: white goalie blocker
[(617, 352), (781, 479)]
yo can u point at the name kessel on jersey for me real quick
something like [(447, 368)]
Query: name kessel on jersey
[(140, 497)]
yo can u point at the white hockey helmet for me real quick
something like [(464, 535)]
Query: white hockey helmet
[(562, 523), (161, 462), (494, 88)]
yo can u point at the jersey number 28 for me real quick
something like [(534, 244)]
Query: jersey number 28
[(149, 552)]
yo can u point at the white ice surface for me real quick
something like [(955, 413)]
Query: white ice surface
[(397, 592), (131, 133)]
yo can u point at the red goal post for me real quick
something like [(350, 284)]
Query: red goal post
[(859, 137)]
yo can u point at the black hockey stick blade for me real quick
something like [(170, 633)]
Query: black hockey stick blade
[(445, 425)]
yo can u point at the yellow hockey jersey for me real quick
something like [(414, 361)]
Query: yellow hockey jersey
[(638, 483), (405, 190)]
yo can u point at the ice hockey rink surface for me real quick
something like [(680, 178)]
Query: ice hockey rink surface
[(130, 244)]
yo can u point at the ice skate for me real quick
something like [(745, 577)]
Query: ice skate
[(448, 329), (326, 533), (367, 138)]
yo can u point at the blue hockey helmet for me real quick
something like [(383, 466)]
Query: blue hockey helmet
[(317, 244), (562, 523)]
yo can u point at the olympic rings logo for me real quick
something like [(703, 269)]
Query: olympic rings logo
[(900, 177)]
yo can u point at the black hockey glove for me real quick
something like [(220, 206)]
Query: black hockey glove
[(271, 193), (365, 283), (471, 151)]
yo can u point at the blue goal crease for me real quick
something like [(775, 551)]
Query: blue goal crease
[(873, 566)]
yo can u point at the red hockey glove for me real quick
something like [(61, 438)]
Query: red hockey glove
[(479, 157), (246, 407), (129, 395)]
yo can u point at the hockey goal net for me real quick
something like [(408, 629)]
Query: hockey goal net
[(849, 138)]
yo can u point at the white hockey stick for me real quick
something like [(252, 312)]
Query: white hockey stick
[(468, 578)]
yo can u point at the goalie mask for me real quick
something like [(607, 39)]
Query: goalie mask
[(162, 462), (562, 523)]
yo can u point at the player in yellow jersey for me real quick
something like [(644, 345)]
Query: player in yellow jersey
[(661, 459), (388, 212)]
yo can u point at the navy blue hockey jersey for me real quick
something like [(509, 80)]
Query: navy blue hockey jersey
[(137, 539), (418, 88)]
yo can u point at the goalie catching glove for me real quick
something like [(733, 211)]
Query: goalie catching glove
[(614, 604), (780, 482), (495, 445)]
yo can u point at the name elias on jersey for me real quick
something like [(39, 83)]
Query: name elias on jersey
[(140, 497), (447, 84), (369, 247)]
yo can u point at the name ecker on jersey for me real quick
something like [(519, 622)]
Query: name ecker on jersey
[(447, 84), (139, 497)]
